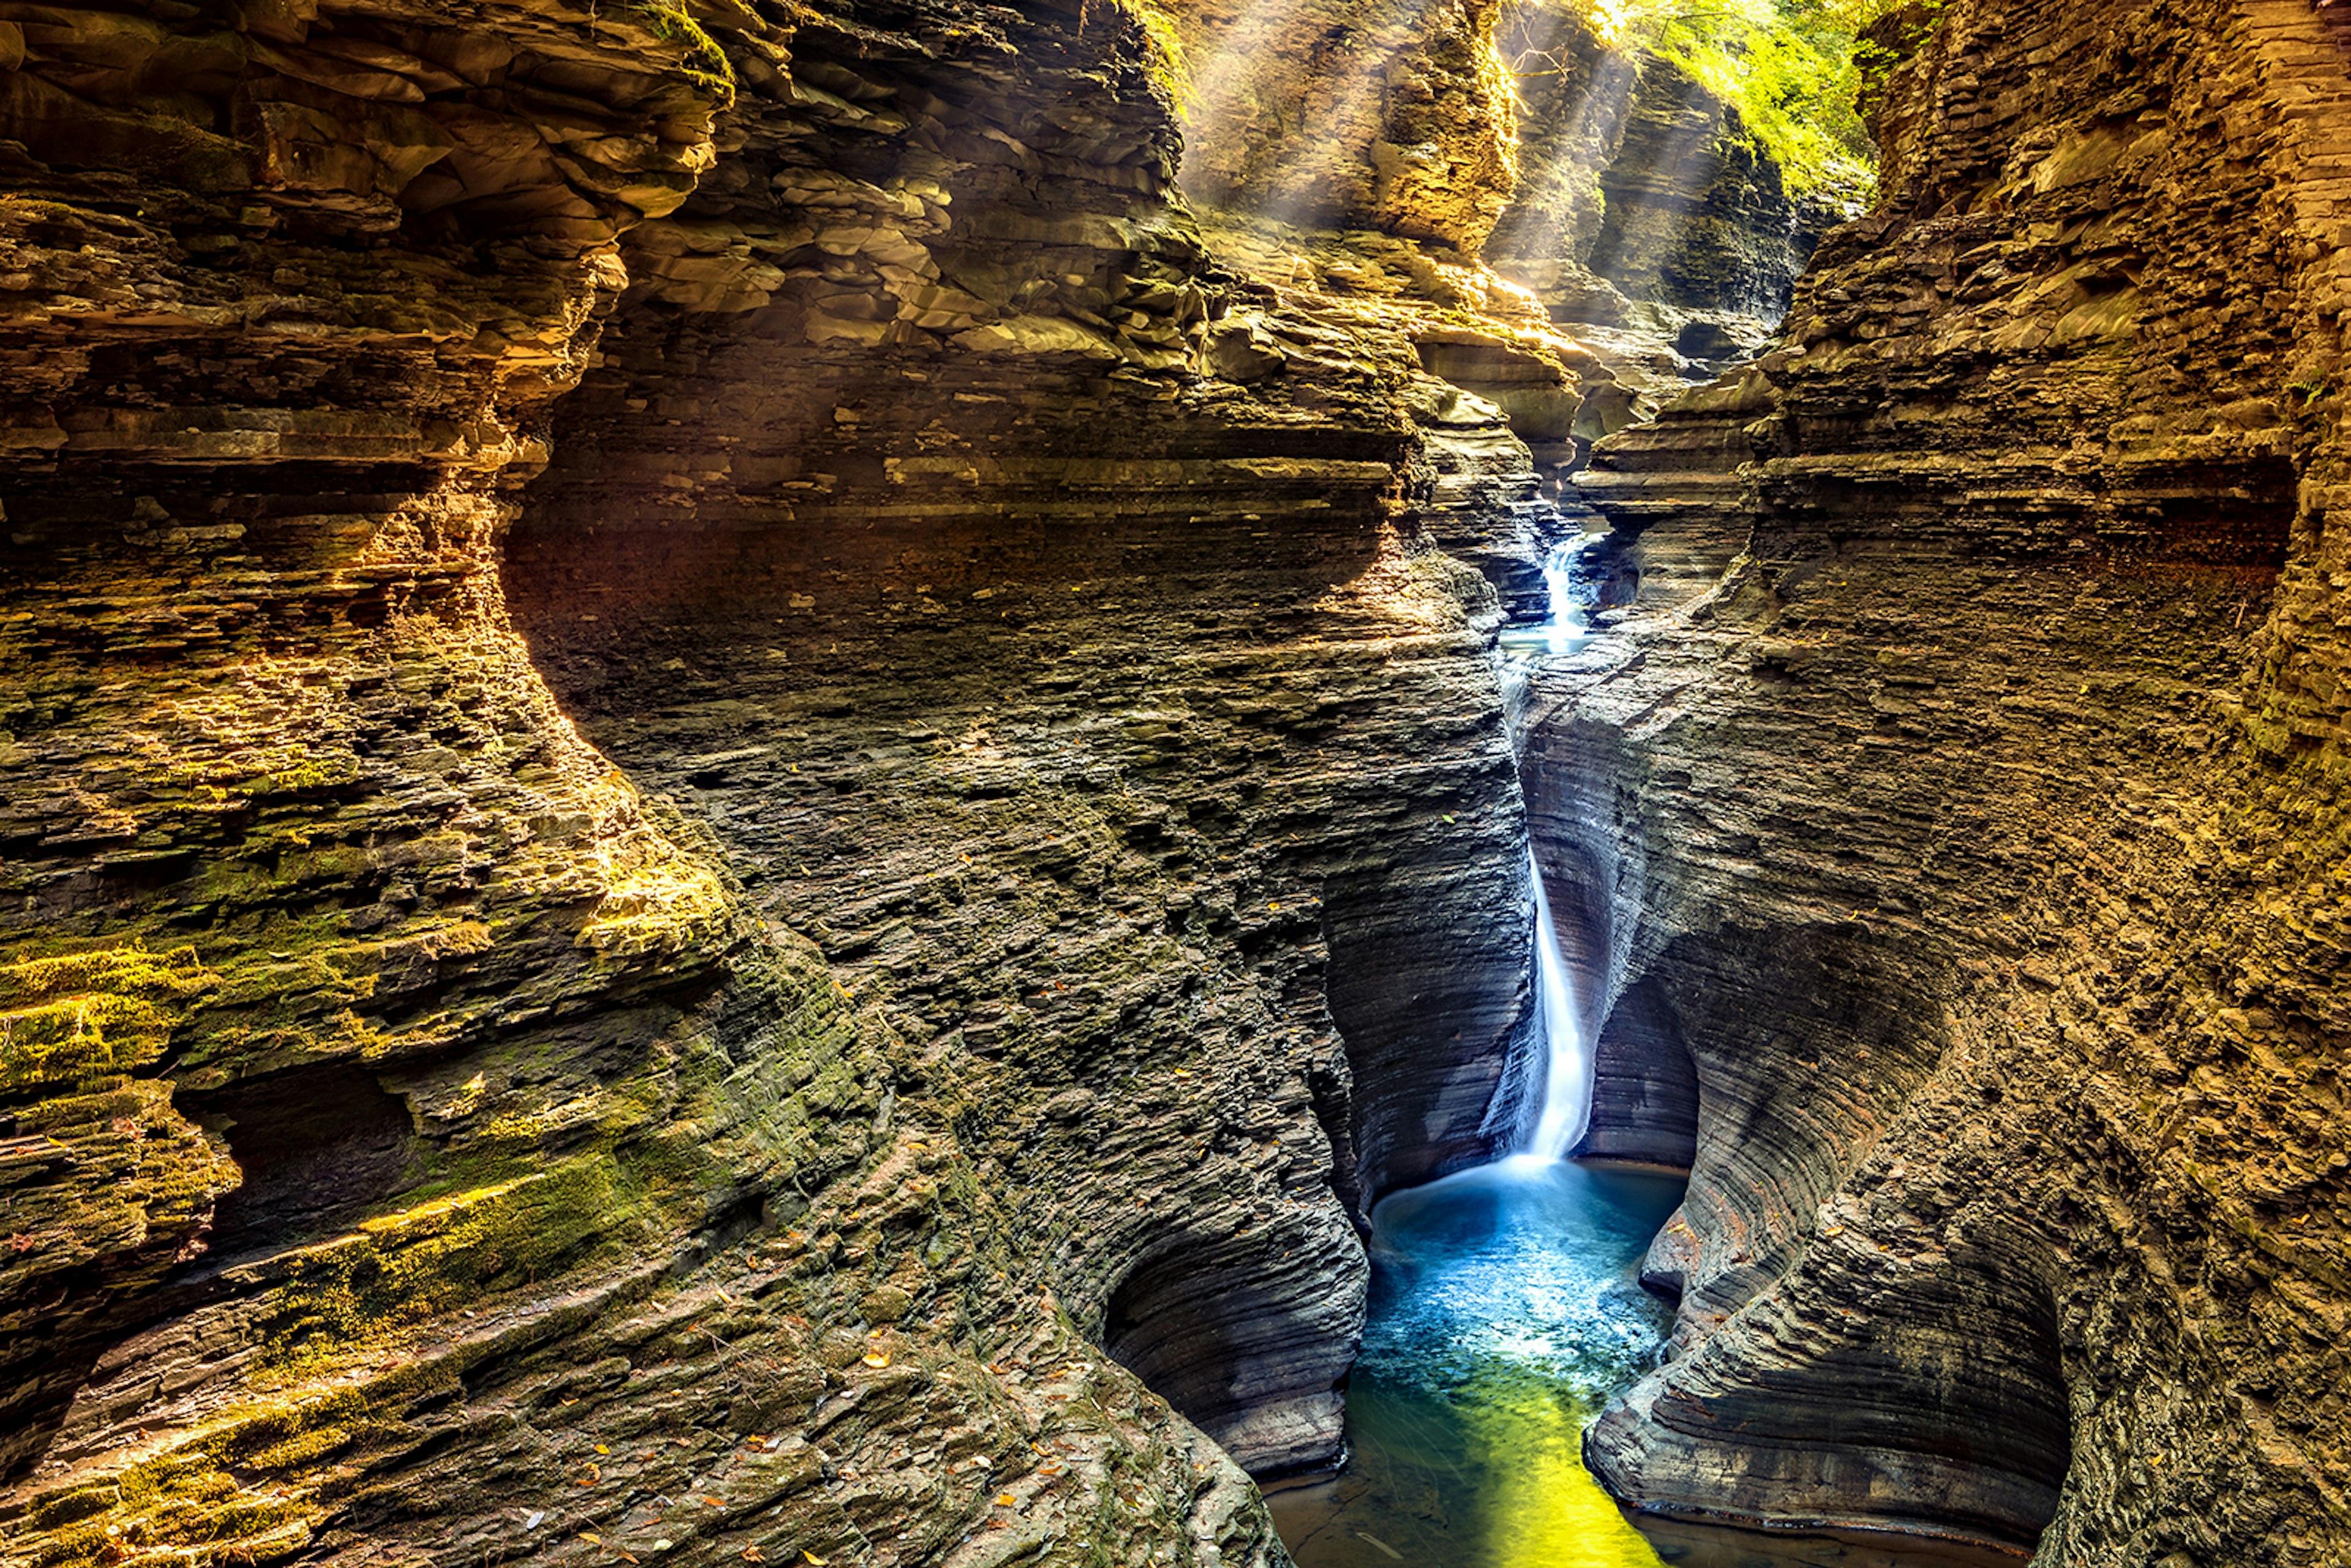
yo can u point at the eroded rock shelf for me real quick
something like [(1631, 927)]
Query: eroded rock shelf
[(754, 765)]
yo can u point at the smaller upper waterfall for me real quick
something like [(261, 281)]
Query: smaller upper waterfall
[(1566, 1087), (1568, 627)]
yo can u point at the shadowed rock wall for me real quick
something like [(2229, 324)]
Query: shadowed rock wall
[(1979, 729), (1102, 727)]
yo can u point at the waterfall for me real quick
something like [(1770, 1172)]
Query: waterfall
[(1567, 628), (1560, 1058), (1563, 632), (1566, 1094)]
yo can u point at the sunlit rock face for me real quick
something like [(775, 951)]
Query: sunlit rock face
[(316, 905), (1339, 113), (1599, 175), (935, 864), (1959, 807), (1637, 188)]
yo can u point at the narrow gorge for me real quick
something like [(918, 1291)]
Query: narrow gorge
[(1520, 784)]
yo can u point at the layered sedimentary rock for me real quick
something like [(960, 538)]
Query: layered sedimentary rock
[(1099, 724), (1342, 114), (1958, 809), (302, 864), (1079, 786), (1642, 200), (1588, 168)]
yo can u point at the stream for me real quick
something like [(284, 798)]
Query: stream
[(1505, 1311)]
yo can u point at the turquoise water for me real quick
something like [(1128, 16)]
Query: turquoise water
[(1504, 1313)]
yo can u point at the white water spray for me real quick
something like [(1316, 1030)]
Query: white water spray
[(1567, 628), (1566, 1093)]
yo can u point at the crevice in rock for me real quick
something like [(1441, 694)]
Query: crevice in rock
[(1645, 1089), (316, 1148)]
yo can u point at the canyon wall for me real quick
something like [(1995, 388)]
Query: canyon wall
[(1955, 820), (678, 1001), (1347, 114), (1100, 723), (739, 817), (1544, 136), (1638, 187)]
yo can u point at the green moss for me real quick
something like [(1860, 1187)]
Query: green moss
[(282, 769), (705, 61), (1793, 70), (458, 1249), (82, 1017), (1164, 57)]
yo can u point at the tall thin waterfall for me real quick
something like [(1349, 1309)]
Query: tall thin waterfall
[(1566, 1093)]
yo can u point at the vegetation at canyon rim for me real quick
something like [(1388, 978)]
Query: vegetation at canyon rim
[(1795, 70)]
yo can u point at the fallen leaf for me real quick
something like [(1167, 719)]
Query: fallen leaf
[(812, 1557), (1006, 1499), (592, 1535), (603, 1449), (714, 1502), (752, 1554), (877, 1358)]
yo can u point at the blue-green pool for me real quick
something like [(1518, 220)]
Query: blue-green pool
[(1504, 1313)]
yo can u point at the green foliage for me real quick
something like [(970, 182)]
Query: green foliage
[(1793, 69)]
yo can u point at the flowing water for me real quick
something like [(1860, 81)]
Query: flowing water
[(1567, 630), (1505, 1311), (1567, 1075)]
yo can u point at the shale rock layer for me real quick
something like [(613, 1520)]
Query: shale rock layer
[(1061, 895), (1958, 812)]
